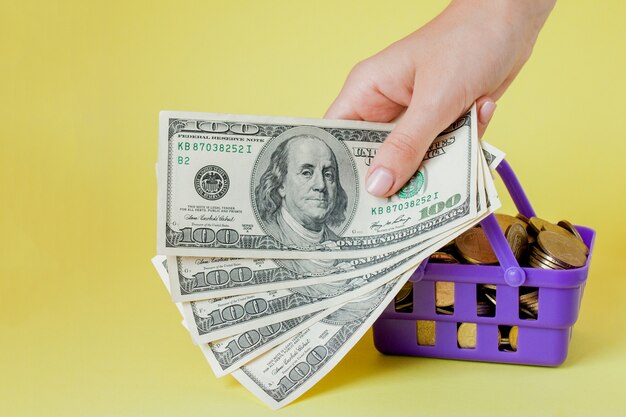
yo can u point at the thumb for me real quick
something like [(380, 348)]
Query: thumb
[(401, 154)]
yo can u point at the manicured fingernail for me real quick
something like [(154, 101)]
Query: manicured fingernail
[(379, 182), (486, 111)]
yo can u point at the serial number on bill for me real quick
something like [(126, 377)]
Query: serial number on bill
[(405, 205), (214, 147)]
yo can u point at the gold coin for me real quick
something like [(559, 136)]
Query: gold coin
[(483, 308), (443, 310), (502, 341), (404, 292), (522, 217), (570, 228), (548, 260), (572, 232), (562, 249), (466, 335), (529, 296), (517, 239), (443, 258), (426, 332), (538, 224), (491, 287), (544, 262), (565, 233), (444, 293), (534, 264), (475, 248), (505, 221), (513, 337)]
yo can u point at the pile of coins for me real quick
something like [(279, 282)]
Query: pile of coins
[(528, 303), (558, 246), (486, 300), (534, 242)]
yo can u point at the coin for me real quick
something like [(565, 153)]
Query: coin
[(501, 340), (405, 291), (562, 249), (444, 310), (483, 308), (426, 332), (404, 299), (474, 247), (504, 340), (517, 239), (513, 338), (537, 257), (443, 258), (529, 230), (529, 315), (529, 296), (491, 287), (567, 234), (444, 293), (504, 220), (538, 224), (570, 228), (466, 335), (571, 231), (491, 298)]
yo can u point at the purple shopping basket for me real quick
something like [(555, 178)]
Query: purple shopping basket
[(540, 341)]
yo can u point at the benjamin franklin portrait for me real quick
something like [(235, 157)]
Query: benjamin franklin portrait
[(299, 191), (300, 198)]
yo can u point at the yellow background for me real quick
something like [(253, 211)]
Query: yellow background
[(87, 327)]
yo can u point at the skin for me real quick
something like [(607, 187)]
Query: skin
[(470, 53), (309, 189)]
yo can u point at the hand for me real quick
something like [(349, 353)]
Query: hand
[(471, 52)]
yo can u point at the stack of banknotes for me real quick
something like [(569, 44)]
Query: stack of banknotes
[(273, 251)]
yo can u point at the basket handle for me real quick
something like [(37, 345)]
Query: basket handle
[(514, 275)]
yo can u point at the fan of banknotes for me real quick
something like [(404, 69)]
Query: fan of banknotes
[(274, 253)]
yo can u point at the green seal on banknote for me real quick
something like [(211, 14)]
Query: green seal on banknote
[(413, 186)]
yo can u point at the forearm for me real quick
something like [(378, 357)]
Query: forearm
[(520, 18)]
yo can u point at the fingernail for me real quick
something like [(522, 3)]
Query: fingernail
[(379, 182), (486, 111)]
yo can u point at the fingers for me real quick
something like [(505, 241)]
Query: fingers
[(429, 113), (402, 152), (486, 107), (361, 98), (342, 109)]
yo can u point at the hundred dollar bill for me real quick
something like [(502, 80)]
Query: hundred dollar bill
[(491, 159), (222, 277), (211, 320), (269, 187), (197, 278), (226, 355), (492, 154), (290, 369)]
